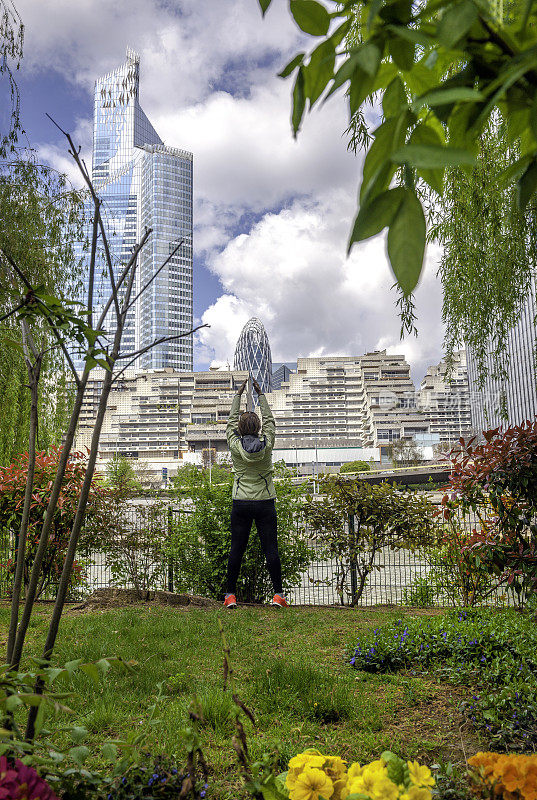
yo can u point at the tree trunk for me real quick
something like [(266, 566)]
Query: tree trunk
[(33, 380)]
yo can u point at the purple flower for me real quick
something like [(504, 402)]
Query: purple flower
[(17, 781)]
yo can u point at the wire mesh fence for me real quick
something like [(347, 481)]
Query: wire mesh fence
[(428, 576)]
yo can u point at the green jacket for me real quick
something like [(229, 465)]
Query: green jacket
[(253, 470)]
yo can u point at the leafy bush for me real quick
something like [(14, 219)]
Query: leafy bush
[(498, 481), (12, 488), (355, 466), (201, 537), (457, 576), (493, 652), (135, 545), (355, 520)]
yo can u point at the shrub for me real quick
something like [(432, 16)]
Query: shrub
[(355, 466), (498, 481), (494, 653), (355, 520), (135, 545), (12, 488), (201, 538)]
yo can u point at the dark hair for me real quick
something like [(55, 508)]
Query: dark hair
[(249, 424)]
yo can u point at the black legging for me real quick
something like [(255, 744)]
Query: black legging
[(263, 513)]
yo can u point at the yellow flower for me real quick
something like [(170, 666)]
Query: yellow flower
[(311, 784), (355, 770), (419, 793), (384, 789), (341, 789), (420, 775), (512, 777), (483, 761), (300, 762), (335, 767)]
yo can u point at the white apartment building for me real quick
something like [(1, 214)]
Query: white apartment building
[(446, 401), (160, 417), (369, 399)]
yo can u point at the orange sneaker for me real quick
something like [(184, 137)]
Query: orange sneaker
[(280, 601), (230, 601)]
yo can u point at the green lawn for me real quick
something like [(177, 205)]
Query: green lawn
[(290, 671)]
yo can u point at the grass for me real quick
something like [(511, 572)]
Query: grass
[(289, 669)]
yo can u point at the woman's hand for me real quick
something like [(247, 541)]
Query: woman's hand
[(257, 387), (243, 387)]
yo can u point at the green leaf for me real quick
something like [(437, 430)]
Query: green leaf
[(299, 101), (292, 65), (12, 702), (368, 57), (429, 156), (310, 16), (394, 98), (79, 754), (264, 5), (442, 97), (425, 134), (527, 186), (360, 88), (109, 751), (388, 137), (406, 242), (376, 215), (411, 35), (319, 70), (533, 116), (456, 22), (513, 171), (402, 52), (78, 734)]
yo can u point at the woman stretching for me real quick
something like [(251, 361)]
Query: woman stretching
[(253, 492)]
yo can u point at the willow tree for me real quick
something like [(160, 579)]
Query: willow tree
[(489, 255), (41, 227), (455, 87)]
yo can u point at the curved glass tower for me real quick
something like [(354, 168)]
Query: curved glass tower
[(252, 353)]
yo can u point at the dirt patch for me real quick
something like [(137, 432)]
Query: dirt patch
[(118, 598), (437, 721)]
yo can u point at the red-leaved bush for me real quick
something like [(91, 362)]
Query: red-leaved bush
[(497, 480), (12, 488)]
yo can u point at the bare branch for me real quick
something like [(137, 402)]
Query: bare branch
[(159, 270), (13, 311), (94, 235), (138, 353)]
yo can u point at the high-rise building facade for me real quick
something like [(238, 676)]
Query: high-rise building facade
[(368, 399), (144, 184), (513, 400), (252, 353), (444, 395)]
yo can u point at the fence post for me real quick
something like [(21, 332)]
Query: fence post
[(353, 565), (170, 559)]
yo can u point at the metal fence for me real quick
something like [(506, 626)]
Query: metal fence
[(397, 576)]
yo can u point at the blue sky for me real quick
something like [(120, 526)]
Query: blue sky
[(271, 215)]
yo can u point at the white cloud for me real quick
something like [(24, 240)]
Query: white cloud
[(272, 214), (291, 271), (187, 47)]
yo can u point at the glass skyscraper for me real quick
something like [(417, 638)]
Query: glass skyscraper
[(252, 353), (144, 184), (518, 394)]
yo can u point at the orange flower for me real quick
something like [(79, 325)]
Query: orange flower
[(512, 776)]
